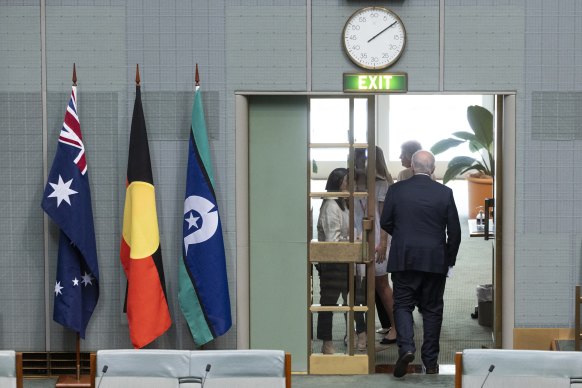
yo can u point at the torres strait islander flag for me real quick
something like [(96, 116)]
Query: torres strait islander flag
[(203, 285), (141, 255), (67, 201)]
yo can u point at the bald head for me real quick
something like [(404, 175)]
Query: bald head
[(423, 162)]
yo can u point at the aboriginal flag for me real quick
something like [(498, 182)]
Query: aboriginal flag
[(141, 254)]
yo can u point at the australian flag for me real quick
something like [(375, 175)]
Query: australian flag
[(67, 201)]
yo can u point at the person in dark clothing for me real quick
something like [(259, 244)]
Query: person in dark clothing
[(421, 216)]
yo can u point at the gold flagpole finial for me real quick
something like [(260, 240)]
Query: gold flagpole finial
[(74, 75), (137, 79), (197, 77)]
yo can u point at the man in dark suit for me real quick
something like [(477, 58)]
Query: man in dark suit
[(422, 218)]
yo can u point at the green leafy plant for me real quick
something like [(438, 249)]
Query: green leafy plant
[(481, 141)]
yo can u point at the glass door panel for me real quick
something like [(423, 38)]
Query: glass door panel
[(339, 233), (329, 120)]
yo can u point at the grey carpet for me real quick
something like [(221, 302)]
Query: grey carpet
[(305, 381), (374, 381), (460, 331)]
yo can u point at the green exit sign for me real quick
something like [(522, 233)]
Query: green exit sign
[(376, 82)]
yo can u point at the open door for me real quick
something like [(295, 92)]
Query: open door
[(340, 270)]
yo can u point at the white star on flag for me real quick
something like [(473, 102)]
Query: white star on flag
[(58, 289), (62, 191), (192, 221), (75, 282), (87, 279)]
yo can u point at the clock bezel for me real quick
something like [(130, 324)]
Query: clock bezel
[(355, 60)]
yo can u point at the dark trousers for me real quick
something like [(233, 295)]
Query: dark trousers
[(412, 288), (382, 314), (333, 283)]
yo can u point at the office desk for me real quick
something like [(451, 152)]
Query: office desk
[(474, 232)]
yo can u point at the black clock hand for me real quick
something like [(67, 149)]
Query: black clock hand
[(375, 36)]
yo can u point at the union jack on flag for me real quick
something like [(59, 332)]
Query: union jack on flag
[(67, 201), (71, 131)]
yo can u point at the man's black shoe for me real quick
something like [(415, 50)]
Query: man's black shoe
[(433, 370), (401, 367)]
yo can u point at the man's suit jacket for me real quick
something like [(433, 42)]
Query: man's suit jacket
[(422, 218)]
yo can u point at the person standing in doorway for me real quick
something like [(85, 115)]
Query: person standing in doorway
[(407, 149), (383, 291), (382, 285), (421, 216), (333, 226)]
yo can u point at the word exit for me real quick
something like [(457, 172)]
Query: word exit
[(376, 83)]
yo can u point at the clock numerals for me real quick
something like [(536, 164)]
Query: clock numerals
[(374, 37)]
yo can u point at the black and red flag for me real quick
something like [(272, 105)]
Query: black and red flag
[(141, 254)]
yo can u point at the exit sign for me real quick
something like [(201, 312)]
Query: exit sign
[(376, 82)]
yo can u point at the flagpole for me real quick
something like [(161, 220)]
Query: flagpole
[(196, 88), (75, 248), (78, 340), (78, 357), (137, 79)]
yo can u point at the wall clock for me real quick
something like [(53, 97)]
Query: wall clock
[(374, 38)]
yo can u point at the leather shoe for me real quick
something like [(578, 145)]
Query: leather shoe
[(401, 367), (432, 370), (386, 341)]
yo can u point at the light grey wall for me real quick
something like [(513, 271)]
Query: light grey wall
[(531, 47), (549, 220)]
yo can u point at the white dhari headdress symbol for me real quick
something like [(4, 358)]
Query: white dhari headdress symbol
[(209, 214)]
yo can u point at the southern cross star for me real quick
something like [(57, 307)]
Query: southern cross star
[(62, 191), (86, 279), (58, 289)]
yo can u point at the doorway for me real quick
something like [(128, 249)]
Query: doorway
[(283, 117)]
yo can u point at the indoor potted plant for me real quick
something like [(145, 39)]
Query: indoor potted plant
[(481, 170)]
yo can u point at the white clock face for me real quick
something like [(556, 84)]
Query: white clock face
[(374, 38)]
